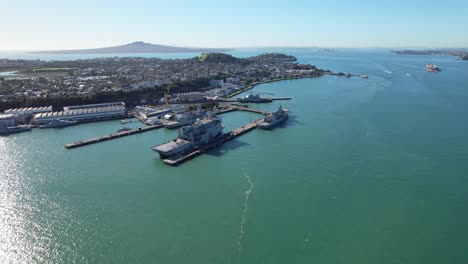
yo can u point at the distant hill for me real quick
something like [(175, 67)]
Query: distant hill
[(135, 47), (461, 52), (217, 57)]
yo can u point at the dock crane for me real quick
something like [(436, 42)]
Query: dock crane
[(166, 93)]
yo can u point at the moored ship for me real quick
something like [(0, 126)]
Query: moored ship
[(253, 98), (192, 137), (432, 68), (14, 129), (124, 129), (274, 118), (58, 123), (187, 118)]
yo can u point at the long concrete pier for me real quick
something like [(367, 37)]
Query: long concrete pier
[(111, 136), (279, 98), (234, 100), (151, 127), (241, 108), (174, 161)]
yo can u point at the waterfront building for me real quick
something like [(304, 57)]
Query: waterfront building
[(88, 106), (7, 120), (84, 113), (24, 114), (148, 112)]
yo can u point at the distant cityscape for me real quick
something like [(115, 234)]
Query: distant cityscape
[(27, 83)]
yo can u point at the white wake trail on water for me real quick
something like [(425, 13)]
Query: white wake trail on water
[(246, 208)]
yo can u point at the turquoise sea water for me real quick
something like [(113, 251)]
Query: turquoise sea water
[(364, 171)]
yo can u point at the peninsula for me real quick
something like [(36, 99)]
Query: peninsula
[(136, 80), (461, 53), (135, 47)]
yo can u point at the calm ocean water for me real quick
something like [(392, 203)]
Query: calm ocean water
[(365, 171)]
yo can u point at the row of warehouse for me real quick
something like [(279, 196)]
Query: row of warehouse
[(81, 113), (84, 113)]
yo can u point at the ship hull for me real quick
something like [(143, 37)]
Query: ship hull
[(181, 150), (57, 126), (269, 125), (14, 130), (191, 137)]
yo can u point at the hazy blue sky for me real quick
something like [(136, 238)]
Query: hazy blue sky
[(57, 24)]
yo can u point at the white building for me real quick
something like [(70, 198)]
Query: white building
[(84, 113), (24, 114), (148, 112), (74, 107), (7, 120)]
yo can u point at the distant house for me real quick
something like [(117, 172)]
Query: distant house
[(216, 83), (190, 97), (233, 80)]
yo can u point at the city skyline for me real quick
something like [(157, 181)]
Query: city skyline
[(53, 24)]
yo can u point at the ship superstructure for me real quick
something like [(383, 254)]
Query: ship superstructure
[(199, 134)]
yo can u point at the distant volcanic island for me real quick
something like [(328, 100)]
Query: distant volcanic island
[(135, 47), (462, 54)]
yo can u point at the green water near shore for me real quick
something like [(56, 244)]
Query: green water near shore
[(364, 171)]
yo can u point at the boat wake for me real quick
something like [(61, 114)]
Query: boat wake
[(387, 71), (246, 208)]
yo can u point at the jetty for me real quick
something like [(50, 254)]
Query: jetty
[(279, 98), (111, 136), (233, 100), (257, 111), (174, 161), (108, 137)]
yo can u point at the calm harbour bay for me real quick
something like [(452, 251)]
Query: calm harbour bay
[(364, 171)]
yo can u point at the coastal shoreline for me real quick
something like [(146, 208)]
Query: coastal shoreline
[(251, 86)]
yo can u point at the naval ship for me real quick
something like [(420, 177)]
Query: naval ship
[(253, 98), (274, 118), (59, 123), (192, 137), (14, 129), (187, 118)]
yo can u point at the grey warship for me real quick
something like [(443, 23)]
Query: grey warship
[(192, 137), (274, 118), (187, 118)]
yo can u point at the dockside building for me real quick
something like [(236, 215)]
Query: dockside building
[(25, 114), (84, 113)]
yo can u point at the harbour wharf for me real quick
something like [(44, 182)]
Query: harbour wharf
[(279, 98), (111, 136), (174, 161), (233, 100), (225, 110), (241, 108)]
